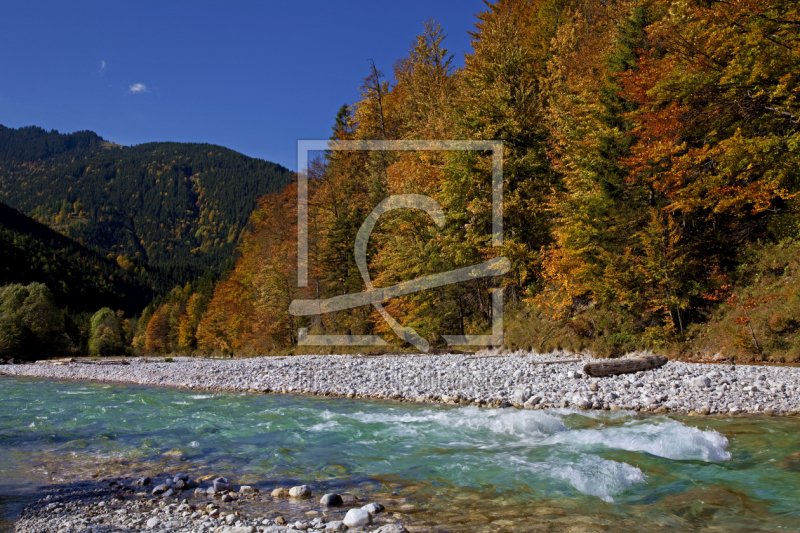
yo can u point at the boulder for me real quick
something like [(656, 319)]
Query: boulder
[(181, 476), (143, 481), (160, 489), (280, 492)]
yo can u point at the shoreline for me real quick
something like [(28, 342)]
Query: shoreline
[(519, 379)]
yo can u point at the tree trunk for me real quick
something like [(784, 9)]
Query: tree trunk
[(623, 366)]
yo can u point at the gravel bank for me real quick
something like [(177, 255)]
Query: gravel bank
[(516, 379), (123, 505)]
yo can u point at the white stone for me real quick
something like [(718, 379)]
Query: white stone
[(357, 518)]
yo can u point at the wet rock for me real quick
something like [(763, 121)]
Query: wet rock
[(391, 528), (160, 489), (280, 492), (221, 484), (357, 518), (181, 476), (373, 508), (331, 500), (336, 525), (301, 491), (143, 481), (247, 489), (169, 493)]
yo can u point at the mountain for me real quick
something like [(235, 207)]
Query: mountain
[(179, 207), (80, 278)]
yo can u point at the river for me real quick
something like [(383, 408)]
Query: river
[(461, 469)]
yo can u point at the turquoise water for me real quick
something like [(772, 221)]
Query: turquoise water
[(469, 468)]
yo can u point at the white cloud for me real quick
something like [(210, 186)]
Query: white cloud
[(137, 88), (102, 65)]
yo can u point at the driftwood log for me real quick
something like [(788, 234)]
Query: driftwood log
[(623, 366)]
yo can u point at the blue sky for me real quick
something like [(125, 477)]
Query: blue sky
[(252, 76)]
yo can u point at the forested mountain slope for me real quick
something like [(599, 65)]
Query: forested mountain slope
[(79, 278), (177, 206)]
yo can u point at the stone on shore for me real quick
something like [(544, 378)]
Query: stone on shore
[(357, 518), (301, 491)]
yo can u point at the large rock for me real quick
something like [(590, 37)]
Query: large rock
[(280, 492), (301, 491), (331, 500), (160, 489), (153, 522), (701, 382), (357, 518), (247, 489), (181, 476), (143, 481)]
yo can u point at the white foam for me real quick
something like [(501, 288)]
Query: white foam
[(324, 426), (664, 438), (201, 396), (592, 475)]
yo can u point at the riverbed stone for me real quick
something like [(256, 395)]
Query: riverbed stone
[(301, 491), (331, 500), (247, 489), (222, 484), (391, 528), (373, 508), (357, 518)]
